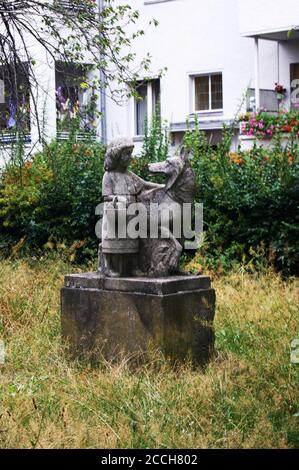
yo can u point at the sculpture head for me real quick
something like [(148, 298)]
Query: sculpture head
[(173, 168), (118, 155)]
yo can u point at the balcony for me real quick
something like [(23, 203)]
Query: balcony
[(268, 100), (263, 129)]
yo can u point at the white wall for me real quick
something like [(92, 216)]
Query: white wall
[(259, 16)]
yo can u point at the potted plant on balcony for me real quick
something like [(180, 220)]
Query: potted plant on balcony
[(280, 91)]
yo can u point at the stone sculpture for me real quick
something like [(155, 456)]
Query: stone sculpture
[(146, 256), (138, 301)]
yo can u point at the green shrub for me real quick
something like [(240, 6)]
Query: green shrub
[(250, 202), (51, 200)]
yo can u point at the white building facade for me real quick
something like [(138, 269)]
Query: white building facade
[(217, 54), (222, 57)]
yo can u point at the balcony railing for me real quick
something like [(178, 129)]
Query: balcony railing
[(78, 5), (268, 100), (78, 136), (10, 138), (12, 5), (15, 5)]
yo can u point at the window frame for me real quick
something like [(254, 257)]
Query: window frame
[(151, 100), (8, 134), (193, 94), (68, 77)]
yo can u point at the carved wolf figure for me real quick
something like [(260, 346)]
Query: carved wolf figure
[(159, 257)]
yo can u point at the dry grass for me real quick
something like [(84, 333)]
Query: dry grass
[(248, 397)]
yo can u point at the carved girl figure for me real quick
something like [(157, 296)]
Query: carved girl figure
[(120, 188)]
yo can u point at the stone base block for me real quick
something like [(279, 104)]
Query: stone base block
[(112, 318)]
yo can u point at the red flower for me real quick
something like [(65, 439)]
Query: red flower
[(280, 88)]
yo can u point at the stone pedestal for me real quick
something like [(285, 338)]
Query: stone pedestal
[(115, 318)]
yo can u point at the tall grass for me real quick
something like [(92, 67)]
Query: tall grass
[(248, 396)]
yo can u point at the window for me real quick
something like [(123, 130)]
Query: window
[(147, 104), (14, 99), (76, 100), (141, 109), (208, 92)]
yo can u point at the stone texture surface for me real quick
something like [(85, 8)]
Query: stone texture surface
[(116, 318), (145, 285)]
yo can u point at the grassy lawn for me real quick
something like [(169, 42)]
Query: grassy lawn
[(248, 396)]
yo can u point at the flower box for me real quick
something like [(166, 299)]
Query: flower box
[(247, 142), (265, 126)]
